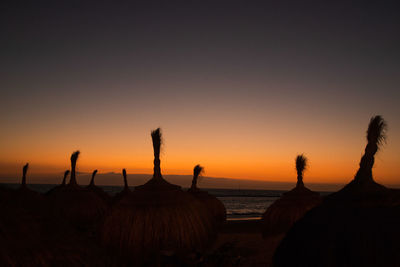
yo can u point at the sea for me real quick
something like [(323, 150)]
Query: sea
[(240, 204)]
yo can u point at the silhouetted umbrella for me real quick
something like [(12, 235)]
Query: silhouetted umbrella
[(23, 197), (356, 226), (26, 198), (81, 207), (284, 212), (58, 187), (213, 204), (125, 191), (98, 190), (21, 226), (31, 236), (157, 216)]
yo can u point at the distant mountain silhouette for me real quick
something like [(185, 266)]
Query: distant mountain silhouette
[(113, 178)]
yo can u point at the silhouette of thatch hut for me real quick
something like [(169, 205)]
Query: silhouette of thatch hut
[(81, 207), (98, 190), (22, 211), (125, 191), (58, 187), (156, 218), (356, 226), (284, 212), (213, 204), (26, 198), (23, 197)]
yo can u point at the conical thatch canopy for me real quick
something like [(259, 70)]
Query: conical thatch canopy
[(21, 226), (363, 189), (58, 187), (284, 212), (356, 226), (98, 190), (125, 191), (157, 217), (213, 204), (26, 228), (26, 198), (81, 207)]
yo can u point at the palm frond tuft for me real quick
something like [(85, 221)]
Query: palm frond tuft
[(197, 171), (301, 164), (376, 133), (156, 136), (25, 169), (74, 156)]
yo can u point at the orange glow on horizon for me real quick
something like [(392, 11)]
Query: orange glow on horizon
[(252, 166), (240, 150)]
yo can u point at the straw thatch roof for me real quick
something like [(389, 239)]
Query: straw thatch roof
[(58, 187), (156, 218), (125, 191), (81, 207), (38, 239), (98, 190), (213, 204), (284, 212), (30, 235), (20, 226), (24, 197), (356, 226)]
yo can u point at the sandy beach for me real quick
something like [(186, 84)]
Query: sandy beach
[(240, 243)]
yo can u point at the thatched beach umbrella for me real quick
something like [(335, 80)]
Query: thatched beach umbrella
[(25, 197), (213, 204), (81, 207), (284, 212), (22, 211), (31, 236), (58, 187), (156, 217), (125, 191), (356, 226), (98, 190)]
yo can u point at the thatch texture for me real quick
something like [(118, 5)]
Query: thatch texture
[(39, 239), (356, 226), (31, 236), (125, 191), (25, 198), (157, 217), (98, 190), (292, 206), (83, 208), (213, 204), (20, 226), (58, 187)]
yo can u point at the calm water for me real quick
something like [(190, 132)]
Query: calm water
[(240, 204)]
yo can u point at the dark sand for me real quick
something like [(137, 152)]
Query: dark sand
[(240, 243)]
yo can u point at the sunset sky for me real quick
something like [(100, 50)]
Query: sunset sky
[(237, 86)]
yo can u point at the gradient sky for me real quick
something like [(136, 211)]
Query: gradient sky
[(238, 86)]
